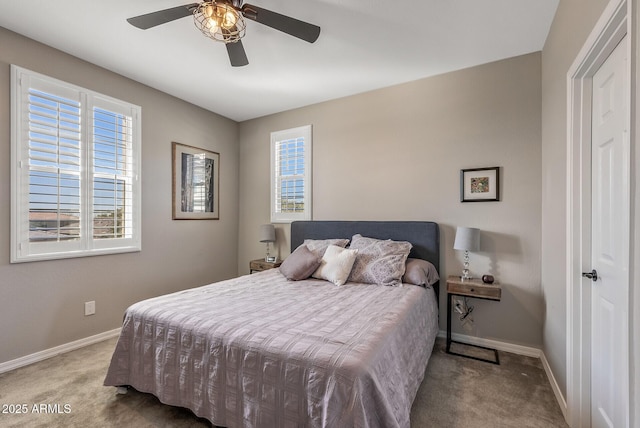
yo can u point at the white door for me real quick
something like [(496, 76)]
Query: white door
[(610, 243)]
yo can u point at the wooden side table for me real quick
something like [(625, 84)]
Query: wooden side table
[(470, 288), (261, 264)]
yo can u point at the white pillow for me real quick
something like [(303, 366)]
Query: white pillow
[(336, 264)]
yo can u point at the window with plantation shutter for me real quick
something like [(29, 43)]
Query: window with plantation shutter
[(291, 175), (75, 171)]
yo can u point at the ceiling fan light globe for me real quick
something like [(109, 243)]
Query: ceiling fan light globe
[(212, 25), (230, 19), (207, 11)]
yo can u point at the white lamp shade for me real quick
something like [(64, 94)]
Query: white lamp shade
[(467, 238), (267, 233)]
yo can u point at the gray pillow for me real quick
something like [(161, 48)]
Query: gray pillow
[(420, 272), (300, 264), (319, 246), (379, 262)]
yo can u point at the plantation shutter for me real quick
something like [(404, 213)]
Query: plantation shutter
[(291, 174), (113, 173), (54, 163)]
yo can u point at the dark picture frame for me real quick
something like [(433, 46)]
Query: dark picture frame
[(480, 184), (196, 183)]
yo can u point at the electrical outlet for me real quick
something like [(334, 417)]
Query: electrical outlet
[(90, 308)]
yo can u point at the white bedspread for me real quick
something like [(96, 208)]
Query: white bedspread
[(261, 351)]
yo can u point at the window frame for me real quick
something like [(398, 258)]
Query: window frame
[(22, 248), (304, 132)]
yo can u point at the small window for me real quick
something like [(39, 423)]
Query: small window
[(291, 175), (75, 171)]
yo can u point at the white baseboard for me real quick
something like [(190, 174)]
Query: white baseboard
[(519, 350), (52, 352), (527, 351), (562, 402)]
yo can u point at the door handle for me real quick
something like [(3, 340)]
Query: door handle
[(593, 275)]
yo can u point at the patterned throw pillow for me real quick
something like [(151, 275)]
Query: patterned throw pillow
[(318, 246), (336, 264), (379, 261)]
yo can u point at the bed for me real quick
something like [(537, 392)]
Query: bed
[(264, 351)]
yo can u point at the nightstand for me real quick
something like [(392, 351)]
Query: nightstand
[(260, 265), (470, 288)]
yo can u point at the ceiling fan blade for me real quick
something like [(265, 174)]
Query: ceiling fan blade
[(152, 19), (237, 55), (286, 24)]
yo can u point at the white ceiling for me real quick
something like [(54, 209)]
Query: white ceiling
[(363, 45)]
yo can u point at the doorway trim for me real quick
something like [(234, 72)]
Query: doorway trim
[(613, 25)]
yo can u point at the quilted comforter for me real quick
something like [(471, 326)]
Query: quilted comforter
[(261, 351)]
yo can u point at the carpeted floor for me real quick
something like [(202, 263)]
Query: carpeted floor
[(67, 391)]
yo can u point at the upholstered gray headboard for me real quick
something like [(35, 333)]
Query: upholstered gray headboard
[(423, 235)]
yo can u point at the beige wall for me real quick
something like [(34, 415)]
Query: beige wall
[(396, 154), (42, 303), (572, 24)]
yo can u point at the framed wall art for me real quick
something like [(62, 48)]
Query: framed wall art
[(480, 184), (196, 183)]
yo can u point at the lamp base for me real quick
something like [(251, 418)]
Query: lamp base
[(465, 271), (269, 258)]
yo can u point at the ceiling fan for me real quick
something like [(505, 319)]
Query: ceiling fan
[(223, 20)]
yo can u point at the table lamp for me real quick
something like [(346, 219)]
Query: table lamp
[(467, 239), (268, 234)]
